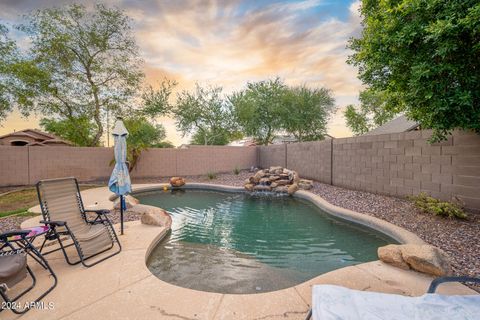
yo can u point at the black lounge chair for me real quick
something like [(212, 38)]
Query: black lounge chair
[(63, 211), (14, 269)]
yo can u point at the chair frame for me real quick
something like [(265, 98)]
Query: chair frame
[(24, 245), (53, 234), (433, 286)]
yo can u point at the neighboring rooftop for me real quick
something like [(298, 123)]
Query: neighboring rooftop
[(399, 124), (32, 137)]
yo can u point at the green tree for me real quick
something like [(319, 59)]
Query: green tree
[(18, 77), (424, 56), (215, 139), (205, 113), (90, 60), (258, 109), (81, 131), (305, 112), (373, 112), (156, 101), (163, 144), (141, 135)]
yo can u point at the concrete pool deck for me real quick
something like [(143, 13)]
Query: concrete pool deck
[(123, 288)]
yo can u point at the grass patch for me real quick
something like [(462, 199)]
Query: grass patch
[(18, 202), (17, 213), (236, 171)]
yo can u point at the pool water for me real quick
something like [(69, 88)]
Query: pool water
[(241, 243)]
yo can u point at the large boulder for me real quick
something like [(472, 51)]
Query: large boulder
[(282, 182), (292, 188), (249, 186), (130, 201), (305, 184), (423, 258), (260, 187), (281, 189), (392, 254), (258, 175), (274, 169), (427, 259), (265, 181), (152, 215), (177, 182), (270, 179)]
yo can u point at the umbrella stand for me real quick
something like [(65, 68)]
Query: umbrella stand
[(121, 214)]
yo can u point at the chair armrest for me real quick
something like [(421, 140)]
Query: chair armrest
[(100, 211), (54, 223), (436, 282), (22, 233)]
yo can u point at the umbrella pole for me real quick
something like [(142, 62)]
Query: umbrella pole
[(121, 215)]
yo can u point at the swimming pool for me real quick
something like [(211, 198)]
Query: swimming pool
[(242, 243)]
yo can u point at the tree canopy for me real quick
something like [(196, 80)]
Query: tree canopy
[(423, 55), (258, 109), (142, 134), (205, 114), (372, 112), (80, 131), (305, 112), (89, 62), (267, 108), (18, 77)]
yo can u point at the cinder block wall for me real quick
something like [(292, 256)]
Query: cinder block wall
[(274, 155), (312, 160), (404, 164), (194, 161), (393, 164), (13, 165), (27, 165), (398, 164)]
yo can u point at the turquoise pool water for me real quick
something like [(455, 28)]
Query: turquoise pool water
[(241, 243)]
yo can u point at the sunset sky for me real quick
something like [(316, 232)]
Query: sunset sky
[(228, 43)]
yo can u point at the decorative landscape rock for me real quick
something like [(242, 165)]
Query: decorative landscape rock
[(423, 258), (259, 187), (130, 201), (152, 215), (177, 182), (427, 259), (249, 186), (277, 179), (393, 255), (305, 184), (292, 188)]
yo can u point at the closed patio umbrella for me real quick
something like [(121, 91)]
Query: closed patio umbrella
[(119, 182)]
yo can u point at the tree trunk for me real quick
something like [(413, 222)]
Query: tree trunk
[(99, 133), (96, 115)]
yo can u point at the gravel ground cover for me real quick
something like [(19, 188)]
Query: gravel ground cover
[(459, 238)]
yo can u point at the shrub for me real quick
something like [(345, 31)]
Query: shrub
[(211, 175), (437, 207), (236, 171)]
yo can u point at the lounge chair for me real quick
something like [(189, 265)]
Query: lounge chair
[(334, 302), (63, 210), (14, 269)]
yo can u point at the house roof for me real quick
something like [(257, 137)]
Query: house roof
[(40, 137), (399, 124)]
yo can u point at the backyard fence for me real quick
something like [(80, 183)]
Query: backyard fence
[(27, 165), (397, 164), (393, 164)]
